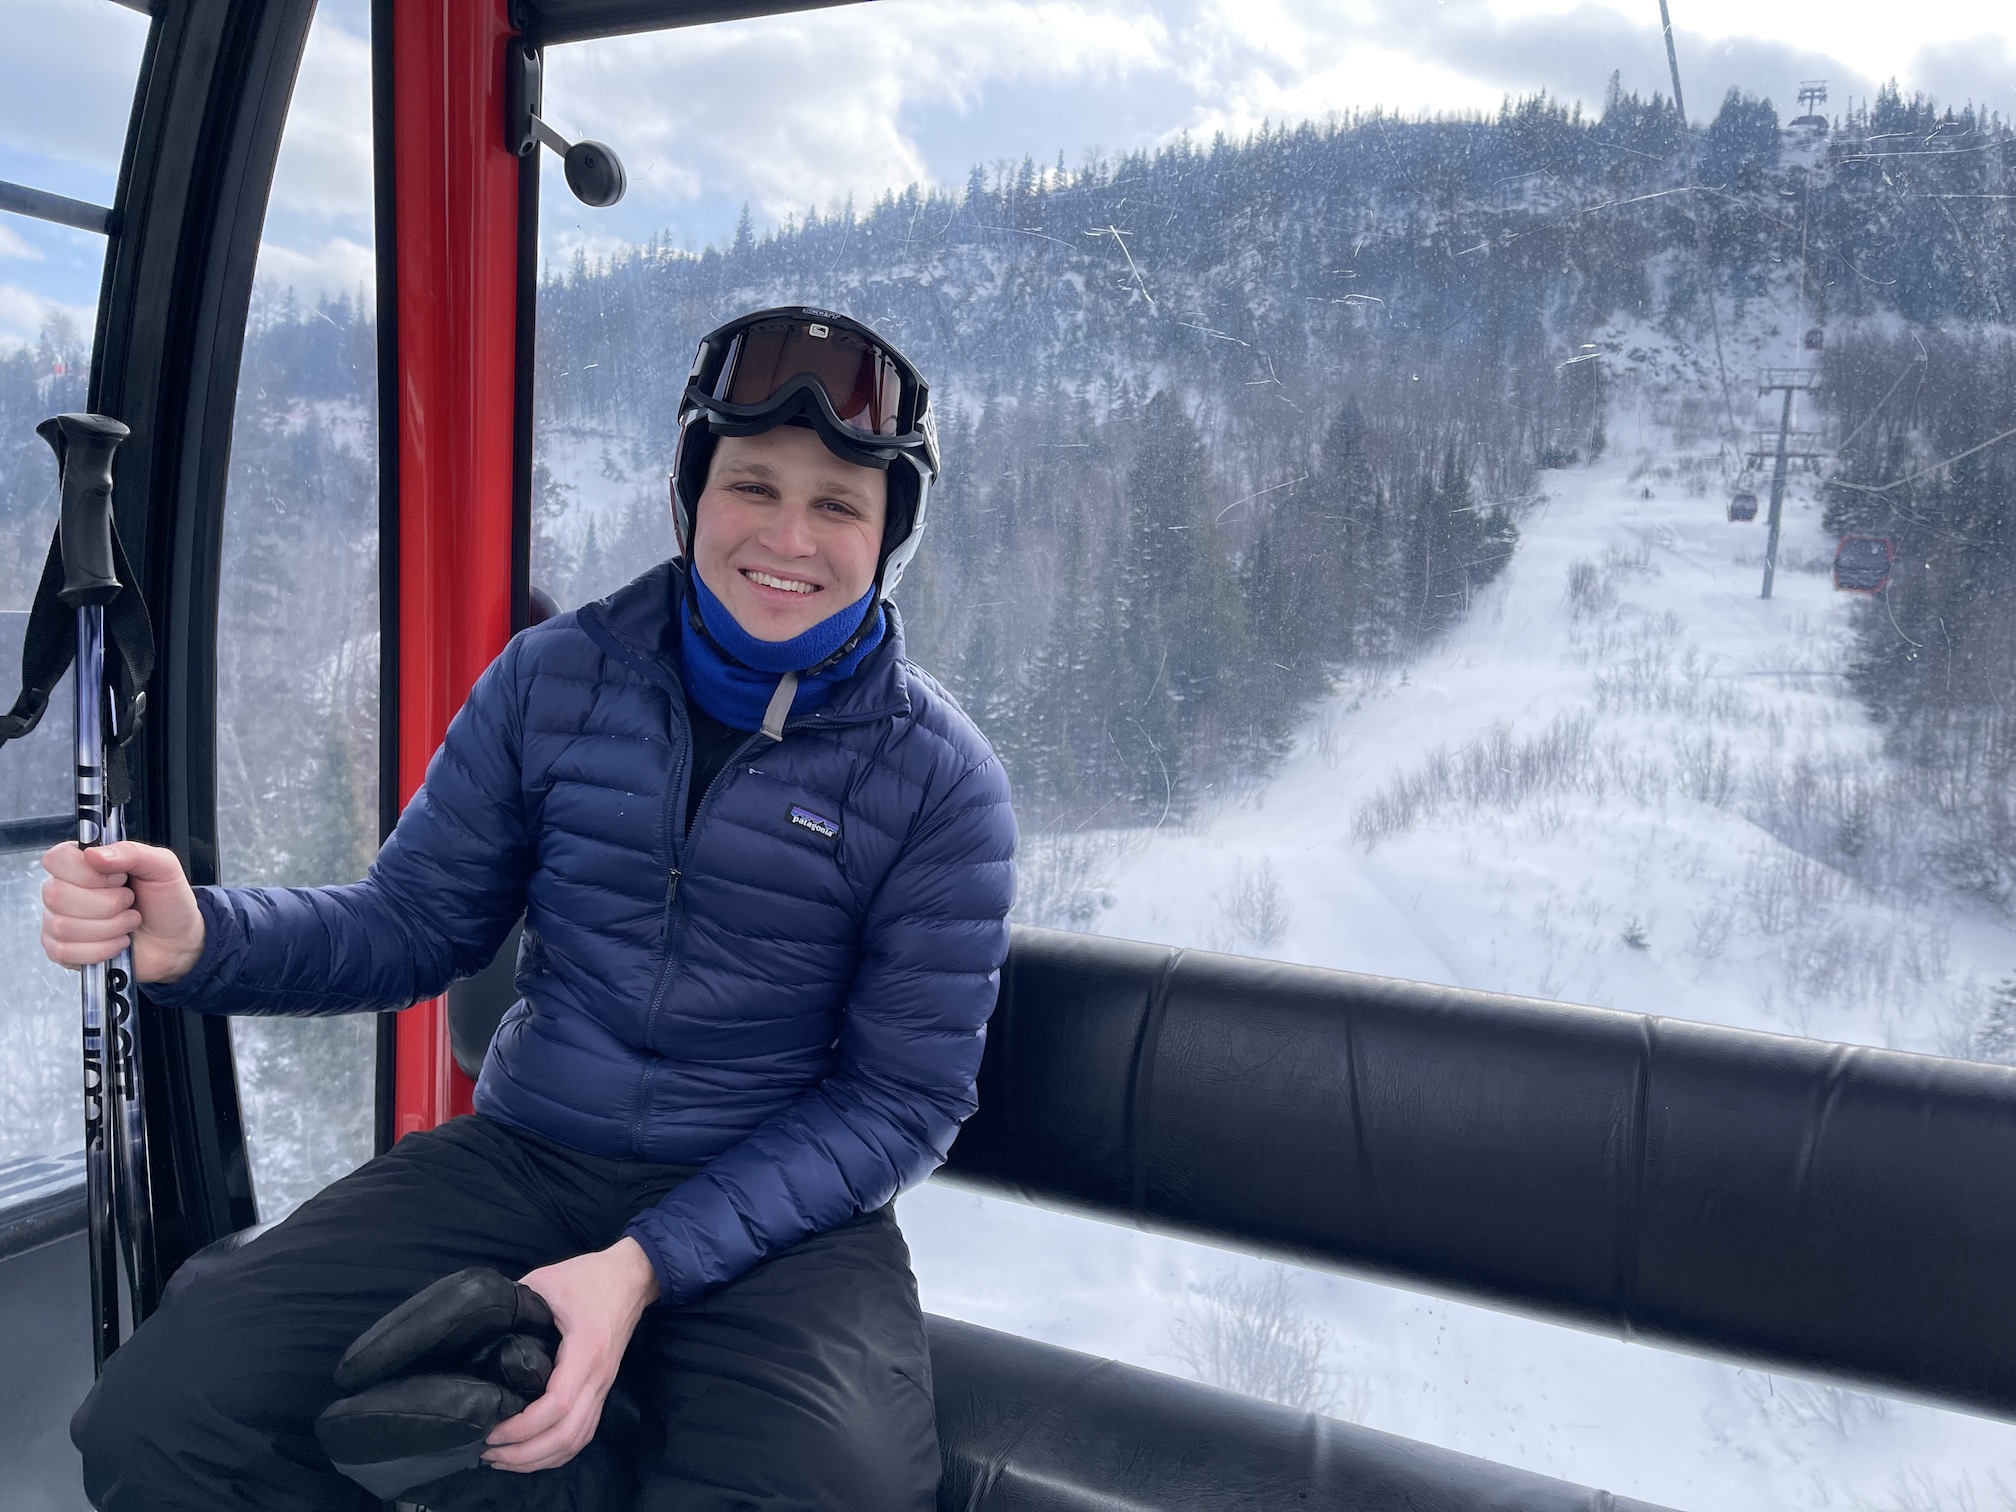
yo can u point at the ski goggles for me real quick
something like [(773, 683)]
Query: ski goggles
[(762, 366)]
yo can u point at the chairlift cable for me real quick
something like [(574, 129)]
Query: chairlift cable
[(1928, 470), (1876, 409), (1700, 238)]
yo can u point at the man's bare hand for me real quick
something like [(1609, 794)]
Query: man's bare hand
[(596, 1300), (97, 900)]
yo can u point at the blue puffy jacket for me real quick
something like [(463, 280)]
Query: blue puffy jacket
[(794, 994)]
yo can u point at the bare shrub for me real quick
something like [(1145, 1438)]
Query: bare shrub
[(1329, 745), (1856, 814), (1925, 954), (1495, 771), (1707, 771), (1767, 894), (1642, 680), (1785, 888), (1246, 1331), (1591, 593), (1712, 927), (1253, 910), (1061, 879), (1994, 1037), (1618, 560), (1917, 1489), (1810, 1404), (1838, 964)]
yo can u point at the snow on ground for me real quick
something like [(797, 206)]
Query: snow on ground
[(1615, 717), (1610, 713)]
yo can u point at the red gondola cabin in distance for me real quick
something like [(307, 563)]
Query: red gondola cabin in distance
[(1862, 563)]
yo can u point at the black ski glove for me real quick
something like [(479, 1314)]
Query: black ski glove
[(446, 1326)]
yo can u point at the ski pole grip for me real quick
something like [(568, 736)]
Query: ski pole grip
[(84, 445)]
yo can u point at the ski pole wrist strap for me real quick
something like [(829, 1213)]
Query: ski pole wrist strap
[(51, 645)]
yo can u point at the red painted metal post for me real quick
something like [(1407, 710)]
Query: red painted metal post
[(456, 225)]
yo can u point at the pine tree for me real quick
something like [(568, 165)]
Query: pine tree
[(1062, 748), (1454, 547), (1374, 570)]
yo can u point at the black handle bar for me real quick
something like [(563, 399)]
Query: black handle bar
[(84, 445)]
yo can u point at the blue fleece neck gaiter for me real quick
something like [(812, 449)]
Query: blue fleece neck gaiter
[(738, 695)]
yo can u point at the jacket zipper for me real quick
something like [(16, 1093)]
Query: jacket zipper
[(674, 930), (671, 838)]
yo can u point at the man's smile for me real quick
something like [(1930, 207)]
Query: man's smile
[(777, 583)]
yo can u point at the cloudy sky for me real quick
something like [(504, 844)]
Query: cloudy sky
[(789, 112)]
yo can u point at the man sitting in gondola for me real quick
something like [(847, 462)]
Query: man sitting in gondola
[(764, 865)]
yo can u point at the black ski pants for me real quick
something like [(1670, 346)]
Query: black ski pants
[(804, 1386)]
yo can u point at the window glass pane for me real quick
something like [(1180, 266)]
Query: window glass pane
[(66, 89), (66, 86), (41, 1108), (297, 634), (41, 1096), (1353, 539)]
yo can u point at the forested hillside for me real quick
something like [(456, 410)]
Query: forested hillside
[(1935, 654), (1219, 419)]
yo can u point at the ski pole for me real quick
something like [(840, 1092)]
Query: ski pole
[(129, 1132), (115, 1169)]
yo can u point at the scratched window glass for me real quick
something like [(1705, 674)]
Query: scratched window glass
[(297, 634), (1418, 501), (66, 89)]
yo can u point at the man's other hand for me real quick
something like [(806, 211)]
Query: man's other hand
[(596, 1300), (96, 900)]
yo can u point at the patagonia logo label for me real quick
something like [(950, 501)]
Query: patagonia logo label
[(821, 826)]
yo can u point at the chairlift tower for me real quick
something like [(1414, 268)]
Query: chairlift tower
[(1812, 95), (1804, 445)]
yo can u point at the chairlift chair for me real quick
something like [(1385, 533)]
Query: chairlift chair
[(1862, 563)]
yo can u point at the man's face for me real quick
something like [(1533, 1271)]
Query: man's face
[(786, 534)]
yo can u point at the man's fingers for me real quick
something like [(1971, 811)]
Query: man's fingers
[(100, 901), (90, 931), (70, 862), (110, 865), (88, 913), (541, 1417), (73, 931), (542, 1450), (72, 953), (547, 1452), (145, 863), (555, 1428)]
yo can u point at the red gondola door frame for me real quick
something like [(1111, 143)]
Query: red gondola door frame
[(456, 264)]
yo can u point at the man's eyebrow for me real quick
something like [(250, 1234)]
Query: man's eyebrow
[(845, 488), (841, 486)]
